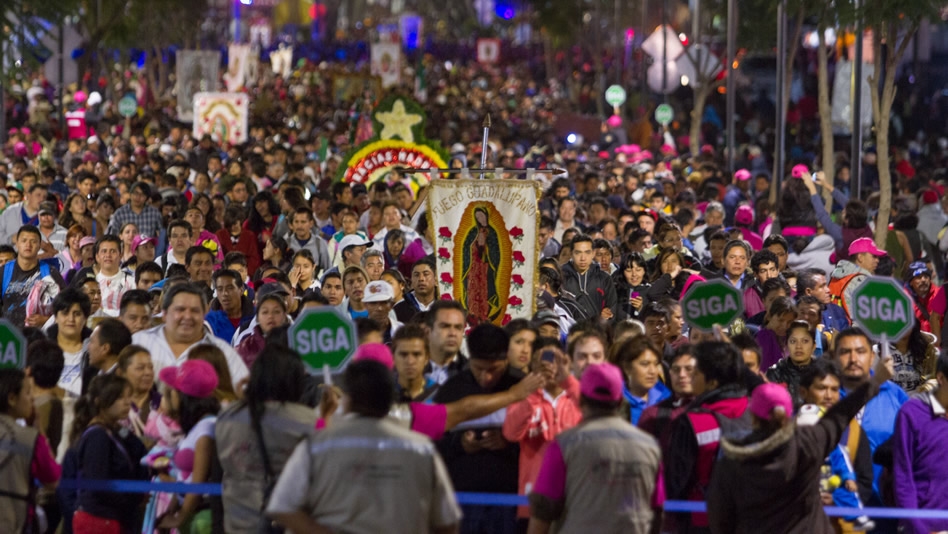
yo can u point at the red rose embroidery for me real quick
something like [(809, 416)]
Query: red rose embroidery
[(444, 232), (446, 278), (443, 253), (517, 280), (515, 301)]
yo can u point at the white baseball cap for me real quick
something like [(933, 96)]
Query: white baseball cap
[(378, 291), (353, 241)]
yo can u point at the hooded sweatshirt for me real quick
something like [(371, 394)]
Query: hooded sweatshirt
[(843, 269), (769, 483), (592, 290), (931, 219), (815, 255)]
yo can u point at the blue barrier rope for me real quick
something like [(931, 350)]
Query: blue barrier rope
[(482, 499)]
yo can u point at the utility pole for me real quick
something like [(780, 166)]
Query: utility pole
[(731, 58), (781, 133), (855, 165)]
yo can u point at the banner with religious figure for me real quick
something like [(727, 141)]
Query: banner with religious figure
[(486, 245), (196, 72), (222, 115)]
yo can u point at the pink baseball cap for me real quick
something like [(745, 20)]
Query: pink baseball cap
[(375, 352), (865, 244), (768, 397), (601, 382), (86, 241), (196, 378), (742, 174), (799, 170), (142, 238), (744, 215)]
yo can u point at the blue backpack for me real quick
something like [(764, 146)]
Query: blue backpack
[(8, 274)]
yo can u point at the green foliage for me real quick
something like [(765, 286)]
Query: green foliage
[(900, 12), (563, 21), (30, 19)]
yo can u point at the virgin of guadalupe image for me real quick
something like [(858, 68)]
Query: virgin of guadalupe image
[(481, 263)]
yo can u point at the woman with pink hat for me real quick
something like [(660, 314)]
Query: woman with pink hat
[(768, 480), (189, 399)]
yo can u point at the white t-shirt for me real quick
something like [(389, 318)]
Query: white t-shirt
[(112, 288), (162, 356)]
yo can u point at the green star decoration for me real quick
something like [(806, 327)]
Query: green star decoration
[(398, 122)]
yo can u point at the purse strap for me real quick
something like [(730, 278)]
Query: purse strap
[(268, 468)]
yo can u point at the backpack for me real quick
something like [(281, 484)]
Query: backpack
[(8, 275), (837, 288)]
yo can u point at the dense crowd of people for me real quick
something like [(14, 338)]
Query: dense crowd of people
[(155, 276)]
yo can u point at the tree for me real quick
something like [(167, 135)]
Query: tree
[(893, 23), (706, 68)]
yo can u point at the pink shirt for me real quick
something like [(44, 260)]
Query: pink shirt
[(44, 467), (427, 419)]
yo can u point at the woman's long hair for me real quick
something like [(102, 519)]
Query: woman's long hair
[(793, 207), (104, 390), (225, 391), (256, 223), (66, 219), (277, 375), (193, 409)]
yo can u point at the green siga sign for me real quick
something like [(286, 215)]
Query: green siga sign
[(715, 302), (615, 95), (12, 346), (127, 106), (324, 336), (664, 114), (882, 308)]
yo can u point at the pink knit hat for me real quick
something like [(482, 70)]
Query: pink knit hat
[(767, 398)]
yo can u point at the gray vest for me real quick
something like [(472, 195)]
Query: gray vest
[(611, 468), (369, 475), (243, 483), (16, 454)]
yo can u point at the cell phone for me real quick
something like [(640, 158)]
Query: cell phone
[(634, 295), (548, 356)]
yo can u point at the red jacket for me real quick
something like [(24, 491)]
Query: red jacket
[(534, 422), (246, 244)]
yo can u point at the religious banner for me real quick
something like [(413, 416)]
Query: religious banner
[(398, 141), (387, 63), (488, 50), (196, 72), (238, 68), (281, 61), (222, 115), (486, 246)]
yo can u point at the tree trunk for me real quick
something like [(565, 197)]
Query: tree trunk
[(882, 108), (697, 112), (549, 57), (826, 119), (792, 46)]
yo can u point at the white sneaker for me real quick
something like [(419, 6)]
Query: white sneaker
[(863, 524)]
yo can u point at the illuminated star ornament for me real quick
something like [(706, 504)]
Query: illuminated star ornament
[(398, 123)]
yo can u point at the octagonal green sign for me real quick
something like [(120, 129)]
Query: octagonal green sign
[(882, 308), (324, 336), (12, 346), (715, 302)]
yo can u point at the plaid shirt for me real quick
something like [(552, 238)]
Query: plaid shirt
[(148, 221)]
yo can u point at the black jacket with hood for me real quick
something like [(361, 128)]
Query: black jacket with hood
[(771, 483), (593, 290)]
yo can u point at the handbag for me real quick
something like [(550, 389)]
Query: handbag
[(266, 525)]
